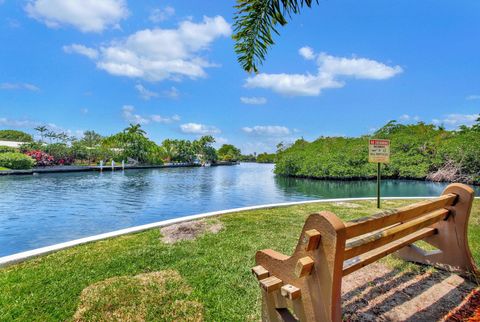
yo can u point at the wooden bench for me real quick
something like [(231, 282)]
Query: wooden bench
[(307, 285)]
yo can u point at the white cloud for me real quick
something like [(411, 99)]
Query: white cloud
[(200, 129), (161, 14), (128, 114), (307, 53), (17, 123), (145, 93), (330, 70), (85, 15), (253, 100), (173, 92), (158, 54), (30, 124), (407, 117), (455, 120), (82, 50), (267, 130), (219, 141), (356, 67), (294, 84), (13, 86), (472, 97)]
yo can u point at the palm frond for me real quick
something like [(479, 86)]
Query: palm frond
[(255, 20)]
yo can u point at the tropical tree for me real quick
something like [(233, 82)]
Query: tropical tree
[(132, 142), (135, 129), (169, 149), (229, 152), (91, 139), (255, 20), (204, 150), (184, 151), (51, 135), (63, 137), (42, 129)]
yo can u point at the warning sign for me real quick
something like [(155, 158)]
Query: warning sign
[(379, 151)]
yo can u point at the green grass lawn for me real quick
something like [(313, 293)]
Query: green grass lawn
[(214, 270), (3, 169)]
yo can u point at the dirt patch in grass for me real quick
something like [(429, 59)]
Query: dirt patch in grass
[(190, 230), (378, 293), (152, 296)]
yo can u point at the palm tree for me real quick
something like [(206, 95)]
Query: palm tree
[(51, 135), (42, 130), (254, 22), (135, 129), (169, 150)]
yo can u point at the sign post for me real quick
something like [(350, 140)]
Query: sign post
[(378, 152)]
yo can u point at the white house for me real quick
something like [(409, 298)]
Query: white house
[(11, 144)]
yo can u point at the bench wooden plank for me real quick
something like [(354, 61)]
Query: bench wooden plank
[(371, 241), (363, 260), (381, 220)]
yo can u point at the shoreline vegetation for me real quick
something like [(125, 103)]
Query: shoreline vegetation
[(131, 147), (418, 152), (55, 287)]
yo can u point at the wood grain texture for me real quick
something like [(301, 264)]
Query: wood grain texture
[(363, 260), (368, 224), (260, 272), (371, 241)]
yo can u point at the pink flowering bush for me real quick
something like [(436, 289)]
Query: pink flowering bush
[(43, 159)]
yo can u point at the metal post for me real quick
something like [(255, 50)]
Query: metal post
[(378, 184)]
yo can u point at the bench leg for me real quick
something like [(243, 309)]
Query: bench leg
[(451, 239), (269, 308)]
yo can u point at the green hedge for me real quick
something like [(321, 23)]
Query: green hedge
[(5, 149), (16, 161), (417, 151), (14, 135)]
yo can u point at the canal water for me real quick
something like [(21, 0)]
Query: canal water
[(46, 209)]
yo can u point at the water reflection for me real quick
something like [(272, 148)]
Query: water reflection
[(41, 210), (366, 188)]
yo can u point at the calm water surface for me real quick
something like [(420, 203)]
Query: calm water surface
[(41, 210)]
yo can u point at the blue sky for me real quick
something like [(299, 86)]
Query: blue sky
[(344, 67)]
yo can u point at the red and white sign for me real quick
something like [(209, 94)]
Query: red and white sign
[(379, 151)]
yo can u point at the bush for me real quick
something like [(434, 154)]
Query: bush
[(31, 146), (266, 158), (14, 135), (229, 152), (16, 161), (60, 152), (5, 149), (42, 159), (417, 152)]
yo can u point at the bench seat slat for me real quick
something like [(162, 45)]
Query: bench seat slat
[(363, 260), (365, 225), (379, 238)]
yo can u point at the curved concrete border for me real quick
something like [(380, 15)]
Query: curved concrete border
[(20, 257)]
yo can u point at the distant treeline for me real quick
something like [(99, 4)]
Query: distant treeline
[(418, 151), (132, 144)]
